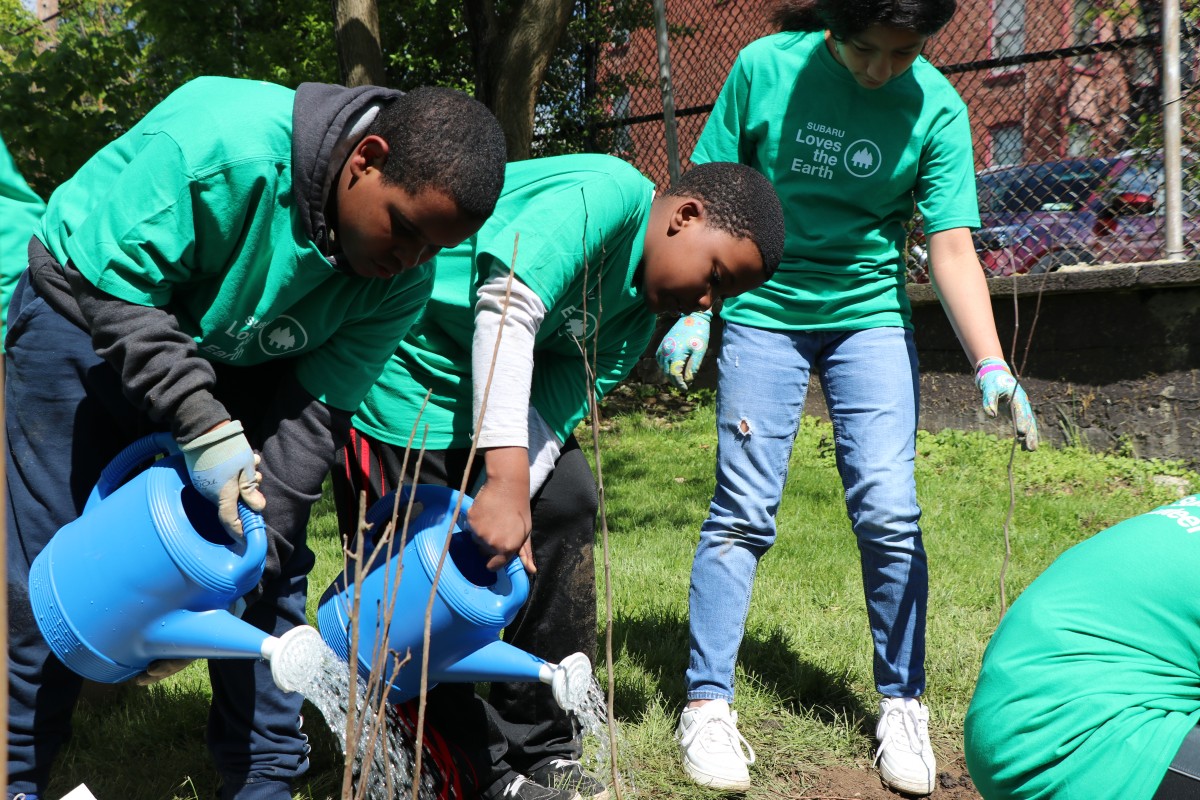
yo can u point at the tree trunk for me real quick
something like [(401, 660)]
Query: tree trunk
[(511, 58), (360, 55)]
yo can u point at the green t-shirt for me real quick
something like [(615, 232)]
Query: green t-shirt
[(20, 209), (581, 221), (193, 210), (848, 164), (1092, 679)]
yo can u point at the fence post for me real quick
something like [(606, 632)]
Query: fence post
[(1172, 140), (668, 94)]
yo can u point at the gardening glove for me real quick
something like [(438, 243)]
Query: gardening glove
[(995, 380), (683, 348), (224, 469), (163, 668)]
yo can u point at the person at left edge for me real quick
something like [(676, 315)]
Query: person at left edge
[(20, 209), (237, 269)]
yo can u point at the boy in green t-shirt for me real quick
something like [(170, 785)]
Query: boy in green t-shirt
[(237, 269), (1090, 686), (592, 256)]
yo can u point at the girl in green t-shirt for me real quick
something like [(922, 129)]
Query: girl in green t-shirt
[(853, 128)]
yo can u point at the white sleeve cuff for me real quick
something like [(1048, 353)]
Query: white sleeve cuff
[(544, 450)]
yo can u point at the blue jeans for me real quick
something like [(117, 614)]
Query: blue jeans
[(66, 419), (871, 388)]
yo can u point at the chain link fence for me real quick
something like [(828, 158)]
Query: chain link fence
[(1065, 98)]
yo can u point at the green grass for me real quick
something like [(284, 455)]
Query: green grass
[(805, 692)]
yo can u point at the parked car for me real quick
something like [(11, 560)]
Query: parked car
[(1040, 217)]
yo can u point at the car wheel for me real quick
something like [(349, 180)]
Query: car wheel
[(1051, 262)]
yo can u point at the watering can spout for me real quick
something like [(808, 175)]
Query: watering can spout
[(294, 658), (499, 661), (203, 634), (219, 634), (496, 661)]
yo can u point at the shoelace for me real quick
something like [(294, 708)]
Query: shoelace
[(911, 722), (723, 731)]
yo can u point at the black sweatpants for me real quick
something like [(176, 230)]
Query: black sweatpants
[(519, 727), (1182, 781)]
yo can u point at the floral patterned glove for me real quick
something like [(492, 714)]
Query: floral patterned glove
[(682, 349), (995, 380)]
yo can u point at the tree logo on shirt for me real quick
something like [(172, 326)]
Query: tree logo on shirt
[(862, 158), (577, 323), (282, 336)]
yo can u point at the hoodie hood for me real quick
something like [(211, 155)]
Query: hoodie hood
[(322, 116)]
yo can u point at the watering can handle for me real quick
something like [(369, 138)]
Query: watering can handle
[(254, 529), (163, 443), (440, 498)]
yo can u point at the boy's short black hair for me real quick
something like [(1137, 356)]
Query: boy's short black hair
[(443, 139), (740, 201)]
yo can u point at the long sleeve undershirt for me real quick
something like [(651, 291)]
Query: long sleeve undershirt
[(509, 420)]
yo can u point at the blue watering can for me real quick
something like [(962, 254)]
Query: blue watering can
[(147, 572), (471, 606)]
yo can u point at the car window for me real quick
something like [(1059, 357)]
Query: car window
[(990, 189), (1146, 177), (1055, 187)]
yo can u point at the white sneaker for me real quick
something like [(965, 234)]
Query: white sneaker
[(905, 757), (714, 753)]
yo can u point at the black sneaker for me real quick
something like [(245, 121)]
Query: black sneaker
[(521, 788), (563, 773)]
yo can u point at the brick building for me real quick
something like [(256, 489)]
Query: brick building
[(1045, 106)]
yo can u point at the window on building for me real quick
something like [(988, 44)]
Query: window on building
[(1080, 138), (1008, 145), (1008, 30), (622, 143), (1087, 25)]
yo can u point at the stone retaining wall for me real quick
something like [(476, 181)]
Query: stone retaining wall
[(1110, 356)]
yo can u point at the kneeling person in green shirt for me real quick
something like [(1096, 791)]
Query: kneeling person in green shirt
[(1090, 687), (592, 258), (236, 269)]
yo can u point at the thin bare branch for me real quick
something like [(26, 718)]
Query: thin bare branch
[(1018, 371), (594, 413), (462, 490)]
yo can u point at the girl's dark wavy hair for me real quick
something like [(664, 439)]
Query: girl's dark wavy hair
[(846, 18)]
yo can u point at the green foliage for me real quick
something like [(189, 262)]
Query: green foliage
[(282, 41), (1066, 470), (425, 42), (69, 90), (78, 83), (75, 85)]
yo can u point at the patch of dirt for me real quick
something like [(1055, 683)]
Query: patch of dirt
[(655, 400), (849, 783)]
